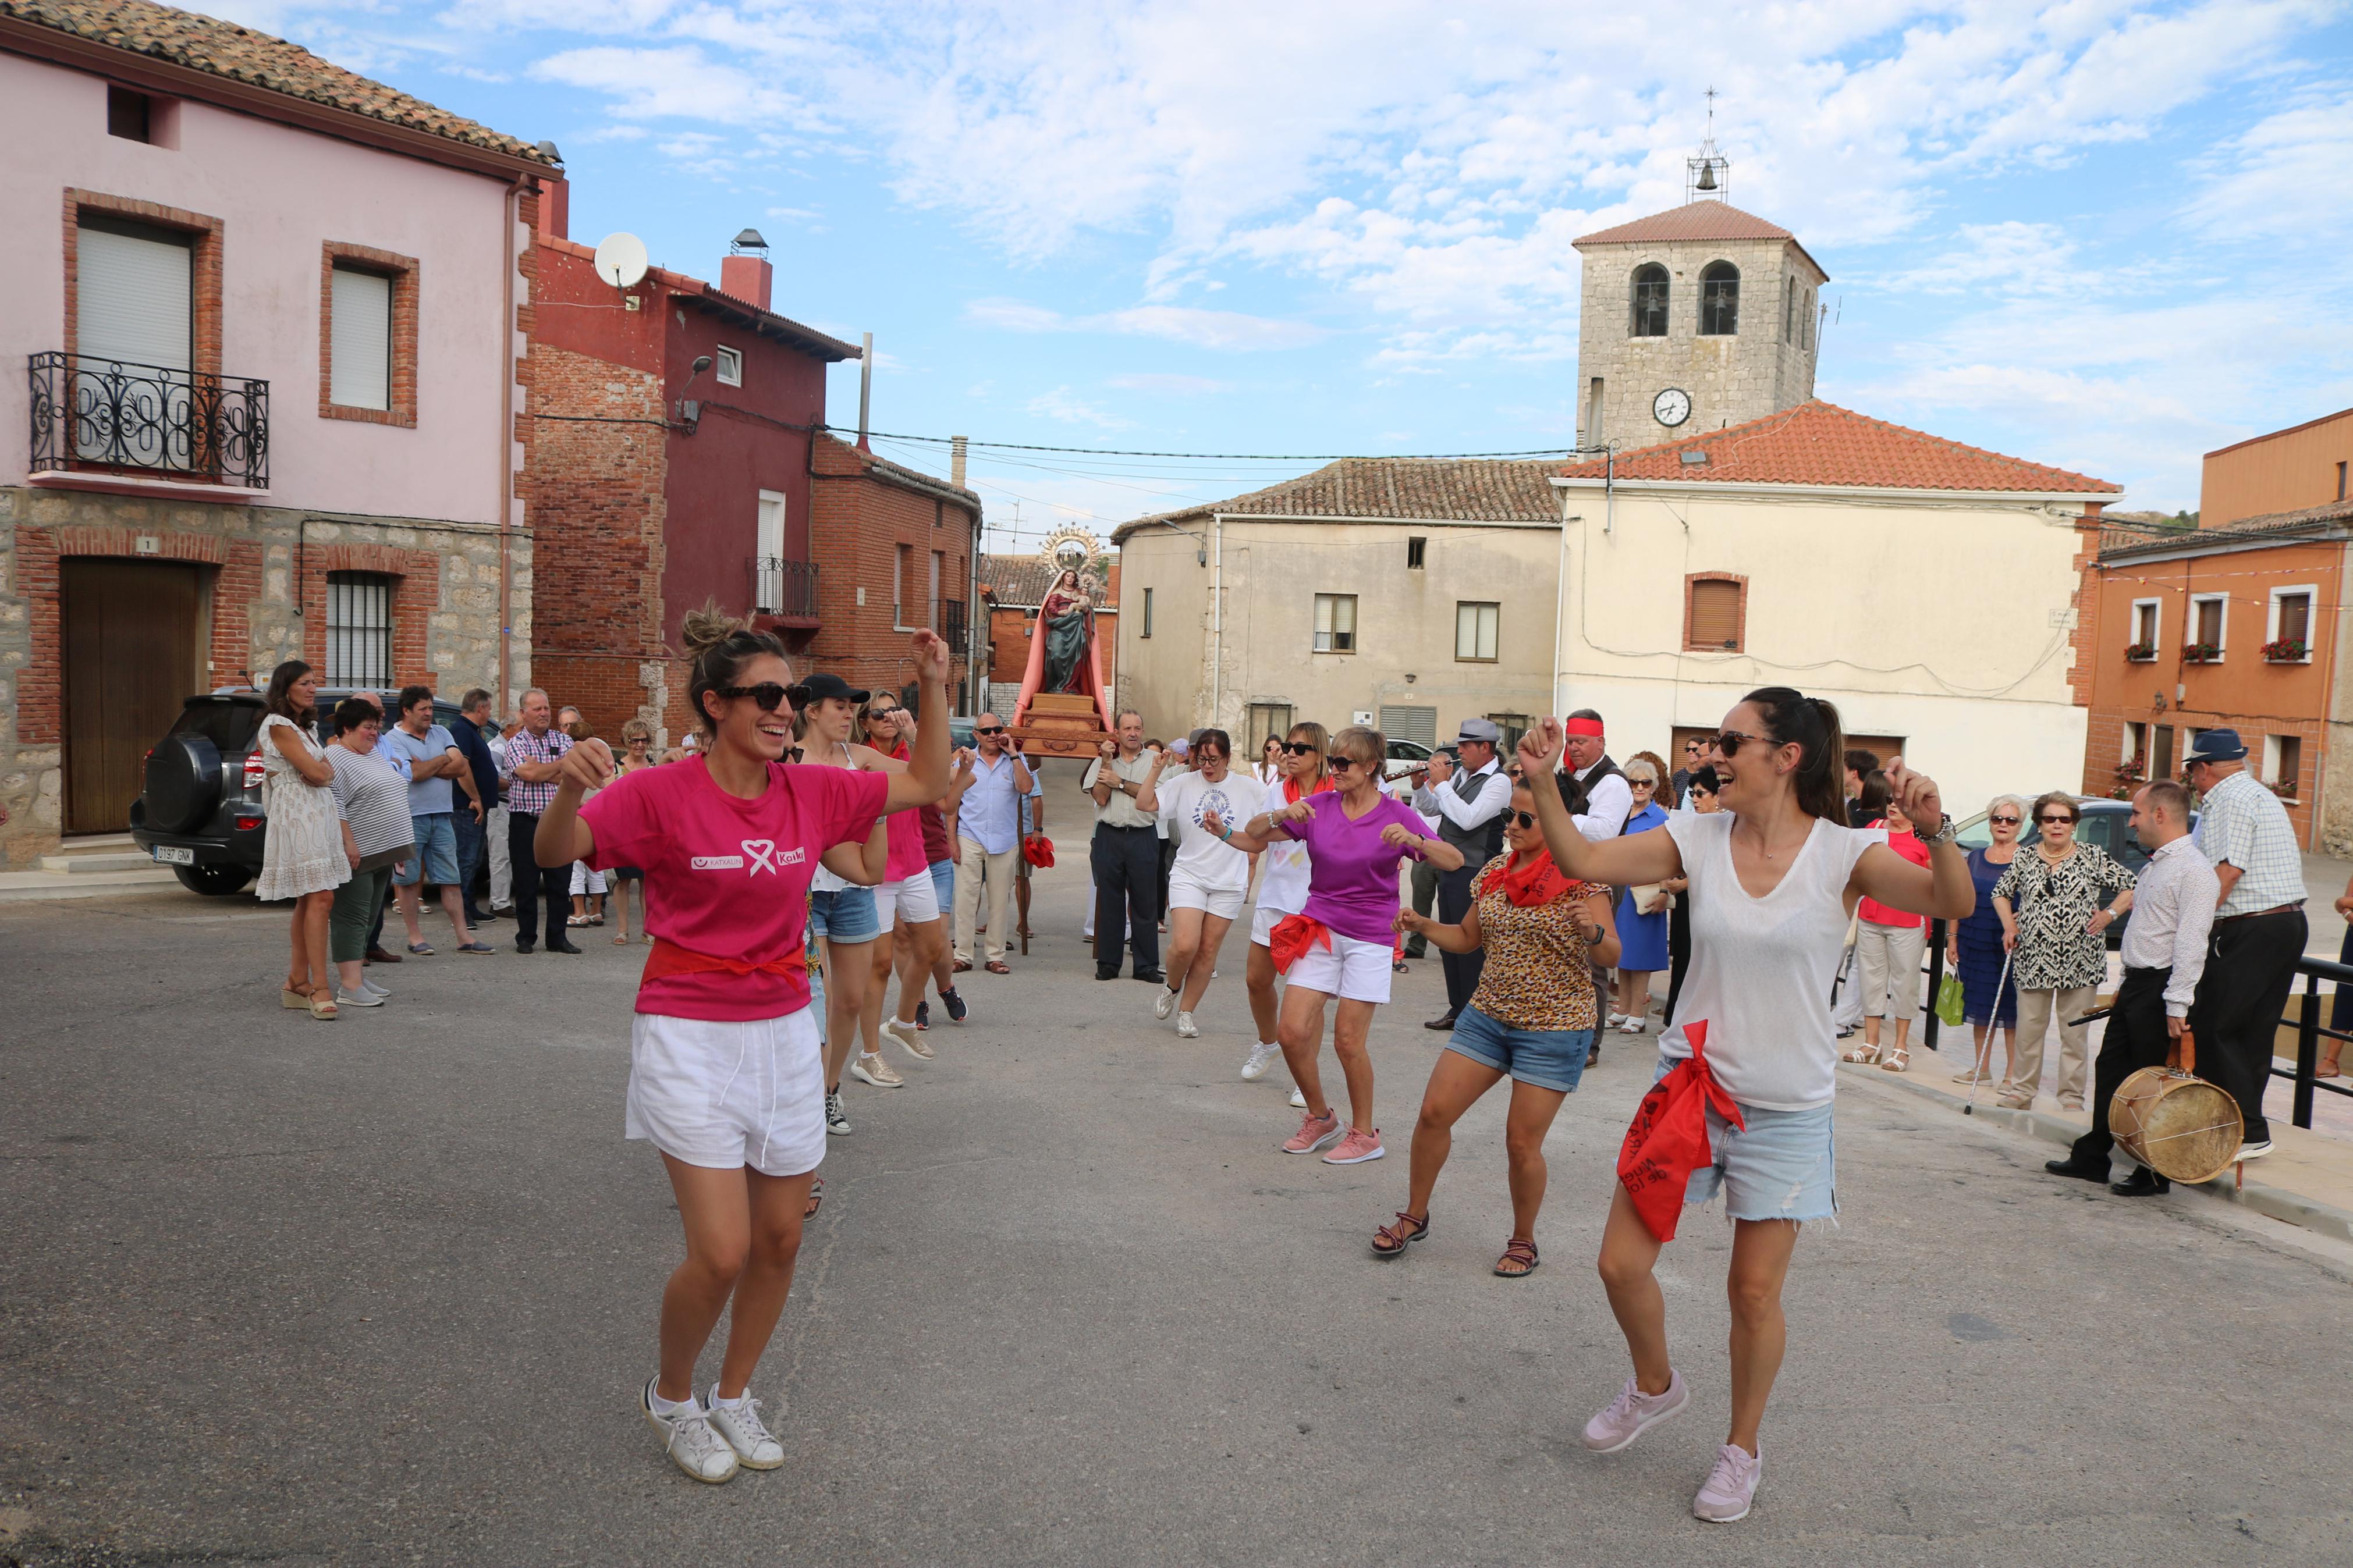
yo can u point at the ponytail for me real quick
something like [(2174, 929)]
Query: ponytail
[(1811, 724)]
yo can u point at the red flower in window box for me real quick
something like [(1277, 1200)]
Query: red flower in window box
[(2141, 652), (2202, 653), (2288, 650)]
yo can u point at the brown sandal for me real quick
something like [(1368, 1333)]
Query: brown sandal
[(1391, 1240), (997, 967), (1520, 1250)]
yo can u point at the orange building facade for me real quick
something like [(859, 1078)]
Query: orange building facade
[(2307, 465)]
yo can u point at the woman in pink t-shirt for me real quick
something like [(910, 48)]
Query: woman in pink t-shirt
[(1342, 944), (724, 1072)]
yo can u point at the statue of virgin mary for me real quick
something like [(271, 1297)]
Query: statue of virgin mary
[(1067, 621)]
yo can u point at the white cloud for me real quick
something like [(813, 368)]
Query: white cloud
[(1173, 385), (2264, 181), (1059, 404), (1221, 330)]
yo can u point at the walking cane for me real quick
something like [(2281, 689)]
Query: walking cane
[(1985, 1052)]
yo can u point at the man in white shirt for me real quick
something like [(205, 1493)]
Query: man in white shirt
[(1469, 802), (2164, 956), (1124, 854), (2259, 925), (1598, 797)]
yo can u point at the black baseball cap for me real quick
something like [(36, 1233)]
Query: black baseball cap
[(821, 686)]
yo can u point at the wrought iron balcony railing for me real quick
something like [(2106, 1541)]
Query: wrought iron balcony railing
[(953, 623), (110, 414), (784, 587)]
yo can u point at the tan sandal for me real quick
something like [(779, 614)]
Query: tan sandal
[(323, 1006), (292, 1000)]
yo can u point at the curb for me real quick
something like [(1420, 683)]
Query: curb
[(25, 887), (2276, 1203)]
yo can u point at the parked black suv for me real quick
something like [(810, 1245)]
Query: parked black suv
[(200, 812)]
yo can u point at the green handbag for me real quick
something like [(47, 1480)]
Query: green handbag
[(1950, 1008)]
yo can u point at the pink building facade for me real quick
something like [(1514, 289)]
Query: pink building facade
[(272, 408)]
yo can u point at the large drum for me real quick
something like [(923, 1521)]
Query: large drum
[(2175, 1122)]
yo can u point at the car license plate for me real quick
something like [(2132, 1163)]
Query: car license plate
[(174, 855)]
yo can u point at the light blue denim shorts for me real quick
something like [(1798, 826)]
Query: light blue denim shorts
[(845, 915), (435, 860), (1782, 1165), (943, 885)]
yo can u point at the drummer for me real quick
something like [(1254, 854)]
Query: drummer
[(2164, 955)]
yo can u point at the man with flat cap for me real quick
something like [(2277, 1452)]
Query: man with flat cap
[(1468, 801)]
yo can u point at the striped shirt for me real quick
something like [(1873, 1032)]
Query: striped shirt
[(525, 798), (372, 798), (2240, 823)]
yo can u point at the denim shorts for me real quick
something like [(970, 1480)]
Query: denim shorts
[(944, 884), (1548, 1058), (1782, 1165), (436, 851), (847, 915)]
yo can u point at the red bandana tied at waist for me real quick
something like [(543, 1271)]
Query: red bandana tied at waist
[(1292, 935), (669, 959), (1537, 883), (1668, 1139)]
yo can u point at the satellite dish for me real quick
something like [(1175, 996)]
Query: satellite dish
[(621, 260)]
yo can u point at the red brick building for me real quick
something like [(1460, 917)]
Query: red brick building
[(658, 488)]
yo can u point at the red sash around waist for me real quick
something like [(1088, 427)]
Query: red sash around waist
[(668, 960)]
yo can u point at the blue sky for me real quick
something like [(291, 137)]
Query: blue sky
[(2105, 234)]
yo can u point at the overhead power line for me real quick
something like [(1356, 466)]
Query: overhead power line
[(1219, 457)]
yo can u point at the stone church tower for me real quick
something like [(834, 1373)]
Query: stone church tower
[(1693, 318)]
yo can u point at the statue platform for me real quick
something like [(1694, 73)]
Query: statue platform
[(1060, 724)]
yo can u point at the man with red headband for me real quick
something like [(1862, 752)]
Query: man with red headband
[(1599, 796)]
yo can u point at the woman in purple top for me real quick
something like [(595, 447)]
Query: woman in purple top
[(1355, 837)]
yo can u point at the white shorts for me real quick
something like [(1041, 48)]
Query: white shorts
[(583, 880), (1262, 925), (1357, 970), (1188, 892), (912, 902), (723, 1095)]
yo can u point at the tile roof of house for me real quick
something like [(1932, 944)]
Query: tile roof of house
[(1693, 220), (219, 49), (1400, 489), (2333, 520), (1016, 580), (883, 468), (1819, 444)]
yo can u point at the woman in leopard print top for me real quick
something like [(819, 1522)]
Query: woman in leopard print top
[(1532, 1018)]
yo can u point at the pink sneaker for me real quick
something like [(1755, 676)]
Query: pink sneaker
[(1314, 1135), (1731, 1486), (1633, 1412), (1356, 1148)]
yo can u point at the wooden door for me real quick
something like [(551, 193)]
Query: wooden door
[(131, 640)]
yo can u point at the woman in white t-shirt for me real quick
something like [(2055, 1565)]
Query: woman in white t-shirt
[(1283, 876), (1774, 877), (1209, 877)]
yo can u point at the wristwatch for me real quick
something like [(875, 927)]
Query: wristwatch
[(1945, 833)]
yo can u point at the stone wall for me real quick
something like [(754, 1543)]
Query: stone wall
[(1766, 366), (265, 594)]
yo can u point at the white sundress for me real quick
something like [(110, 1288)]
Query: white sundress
[(302, 851)]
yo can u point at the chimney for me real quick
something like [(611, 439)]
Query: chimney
[(744, 273), (956, 460), (554, 207), (865, 386)]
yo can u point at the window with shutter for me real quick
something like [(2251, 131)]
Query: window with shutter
[(1336, 623), (133, 293), (360, 356), (1715, 614)]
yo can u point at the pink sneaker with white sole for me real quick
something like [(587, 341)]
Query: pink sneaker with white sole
[(1731, 1486), (1313, 1133), (1356, 1148)]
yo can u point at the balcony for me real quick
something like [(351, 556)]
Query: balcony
[(109, 416), (785, 589)]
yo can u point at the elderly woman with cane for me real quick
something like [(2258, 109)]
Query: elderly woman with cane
[(1975, 951), (1753, 1055)]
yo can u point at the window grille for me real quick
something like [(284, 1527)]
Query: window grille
[(359, 630)]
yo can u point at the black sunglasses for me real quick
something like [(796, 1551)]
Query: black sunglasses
[(1730, 741), (1341, 765), (768, 694), (2003, 821), (1524, 818), (992, 730), (2047, 821), (1298, 748), (875, 713)]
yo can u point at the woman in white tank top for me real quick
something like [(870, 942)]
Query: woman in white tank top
[(1774, 876)]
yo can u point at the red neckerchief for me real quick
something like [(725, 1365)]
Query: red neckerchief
[(1537, 883), (1292, 792)]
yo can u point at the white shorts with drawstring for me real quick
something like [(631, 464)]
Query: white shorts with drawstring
[(725, 1095)]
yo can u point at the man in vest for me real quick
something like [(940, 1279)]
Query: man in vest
[(1469, 801), (1599, 796)]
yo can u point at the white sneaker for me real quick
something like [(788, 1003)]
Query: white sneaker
[(906, 1035), (1299, 1099), (365, 998), (741, 1425), (1262, 1056), (836, 1123), (687, 1435), (870, 1068), (2254, 1150), (1164, 1003), (1186, 1028)]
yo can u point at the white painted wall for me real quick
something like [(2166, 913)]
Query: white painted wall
[(1944, 620)]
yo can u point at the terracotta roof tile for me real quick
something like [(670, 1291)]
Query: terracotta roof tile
[(225, 49), (1402, 490), (1820, 444), (1693, 220), (2330, 512), (1016, 580)]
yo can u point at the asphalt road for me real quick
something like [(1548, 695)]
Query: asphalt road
[(383, 1291)]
